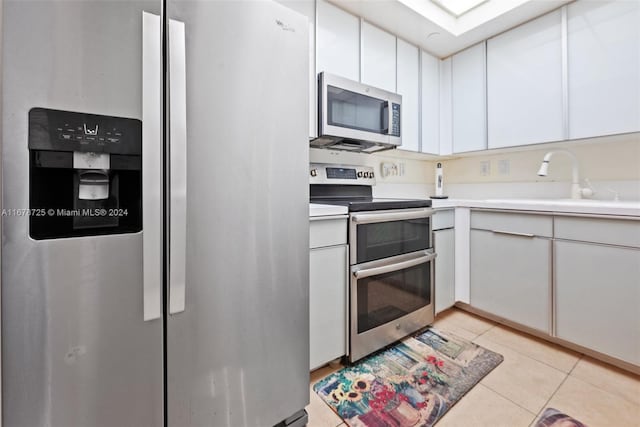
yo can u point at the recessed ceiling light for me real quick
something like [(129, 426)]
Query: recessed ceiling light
[(458, 8)]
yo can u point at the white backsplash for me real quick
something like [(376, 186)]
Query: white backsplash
[(407, 191), (627, 190)]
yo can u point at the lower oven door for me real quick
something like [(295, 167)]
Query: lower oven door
[(390, 299)]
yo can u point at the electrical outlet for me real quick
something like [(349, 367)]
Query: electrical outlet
[(504, 167), (388, 169), (485, 168)]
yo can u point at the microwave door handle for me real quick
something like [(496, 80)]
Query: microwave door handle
[(178, 171), (389, 117), (386, 113), (152, 261), (361, 274)]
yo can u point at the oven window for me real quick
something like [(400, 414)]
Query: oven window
[(355, 111), (387, 297), (386, 239)]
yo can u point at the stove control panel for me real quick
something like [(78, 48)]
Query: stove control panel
[(326, 173)]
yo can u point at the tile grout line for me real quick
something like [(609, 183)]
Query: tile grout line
[(580, 356), (507, 398), (558, 388)]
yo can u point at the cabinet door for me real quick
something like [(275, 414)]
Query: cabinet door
[(378, 58), (604, 67), (444, 245), (338, 41), (446, 116), (327, 304), (469, 100), (430, 99), (524, 84), (409, 88), (598, 298), (511, 277)]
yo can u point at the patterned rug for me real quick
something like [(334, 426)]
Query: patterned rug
[(410, 384), (554, 418)]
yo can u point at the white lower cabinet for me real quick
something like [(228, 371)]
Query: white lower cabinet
[(511, 267), (444, 245), (327, 291), (597, 286), (443, 242)]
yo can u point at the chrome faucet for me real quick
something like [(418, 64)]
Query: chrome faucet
[(577, 192)]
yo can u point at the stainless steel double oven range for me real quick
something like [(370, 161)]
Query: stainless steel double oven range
[(391, 259)]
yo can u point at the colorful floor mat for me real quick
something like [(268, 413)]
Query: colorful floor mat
[(410, 384)]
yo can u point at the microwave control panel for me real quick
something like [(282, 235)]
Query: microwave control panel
[(395, 119)]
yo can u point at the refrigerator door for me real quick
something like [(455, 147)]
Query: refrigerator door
[(238, 354), (76, 349)]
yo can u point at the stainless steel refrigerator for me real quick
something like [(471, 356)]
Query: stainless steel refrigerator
[(155, 220)]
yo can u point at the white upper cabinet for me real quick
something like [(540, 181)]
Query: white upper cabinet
[(430, 98), (469, 99), (378, 58), (524, 84), (446, 128), (409, 87), (603, 67), (338, 42)]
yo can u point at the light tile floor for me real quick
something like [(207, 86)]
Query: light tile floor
[(535, 375)]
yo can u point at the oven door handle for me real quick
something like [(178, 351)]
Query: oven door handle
[(366, 218), (361, 274)]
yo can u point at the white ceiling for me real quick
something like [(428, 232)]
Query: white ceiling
[(429, 26)]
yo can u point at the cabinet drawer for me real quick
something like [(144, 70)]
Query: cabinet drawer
[(327, 232), (599, 230), (517, 223), (442, 219)]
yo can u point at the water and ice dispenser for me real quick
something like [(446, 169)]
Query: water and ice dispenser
[(84, 175)]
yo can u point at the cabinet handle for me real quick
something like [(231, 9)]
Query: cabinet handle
[(511, 233)]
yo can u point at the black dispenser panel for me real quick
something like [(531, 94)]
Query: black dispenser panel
[(84, 175)]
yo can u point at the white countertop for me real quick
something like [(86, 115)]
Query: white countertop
[(326, 210), (583, 206)]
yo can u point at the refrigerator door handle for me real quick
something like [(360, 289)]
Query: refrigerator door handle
[(152, 166), (178, 166)]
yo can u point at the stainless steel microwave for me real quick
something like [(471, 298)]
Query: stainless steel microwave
[(356, 117)]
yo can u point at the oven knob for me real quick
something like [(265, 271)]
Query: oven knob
[(359, 174), (398, 326), (314, 172), (370, 174), (366, 174)]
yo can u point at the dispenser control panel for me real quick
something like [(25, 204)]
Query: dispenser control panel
[(57, 130), (85, 174)]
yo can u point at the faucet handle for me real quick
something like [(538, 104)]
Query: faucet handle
[(588, 191)]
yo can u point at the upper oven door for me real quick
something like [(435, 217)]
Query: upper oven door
[(383, 234), (352, 110)]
